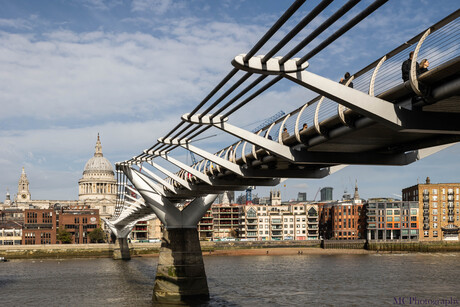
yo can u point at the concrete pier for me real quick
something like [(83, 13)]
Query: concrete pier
[(121, 252), (180, 277)]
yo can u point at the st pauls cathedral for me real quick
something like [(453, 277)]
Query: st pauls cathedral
[(96, 189)]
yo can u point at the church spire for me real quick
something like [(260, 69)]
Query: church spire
[(98, 148), (356, 196)]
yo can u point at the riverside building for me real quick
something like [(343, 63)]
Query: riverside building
[(343, 220), (389, 220), (41, 225), (439, 209), (297, 221)]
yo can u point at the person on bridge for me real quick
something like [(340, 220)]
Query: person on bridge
[(423, 67), (405, 67), (345, 79), (285, 134)]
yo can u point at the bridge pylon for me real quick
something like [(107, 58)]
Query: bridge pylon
[(121, 251), (180, 276)]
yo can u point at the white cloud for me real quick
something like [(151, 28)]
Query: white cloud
[(158, 7)]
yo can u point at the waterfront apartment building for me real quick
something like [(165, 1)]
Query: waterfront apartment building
[(205, 226), (342, 220), (10, 233), (389, 220), (282, 222), (298, 221), (439, 209), (225, 219)]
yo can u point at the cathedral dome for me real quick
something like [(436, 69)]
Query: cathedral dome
[(98, 165), (98, 187)]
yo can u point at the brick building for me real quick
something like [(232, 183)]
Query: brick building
[(343, 220), (39, 226), (79, 221), (439, 209)]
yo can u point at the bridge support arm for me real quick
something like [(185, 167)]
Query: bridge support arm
[(121, 251), (168, 214), (274, 148)]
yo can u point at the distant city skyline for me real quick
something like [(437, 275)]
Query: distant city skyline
[(129, 69)]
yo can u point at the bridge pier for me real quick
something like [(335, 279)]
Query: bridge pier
[(181, 276), (121, 251)]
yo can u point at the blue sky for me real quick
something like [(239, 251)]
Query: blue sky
[(129, 69)]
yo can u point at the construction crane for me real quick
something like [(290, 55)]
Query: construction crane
[(192, 156), (269, 120), (249, 195), (319, 189)]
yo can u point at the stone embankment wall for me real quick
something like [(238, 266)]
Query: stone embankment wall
[(427, 247), (106, 250), (345, 244), (225, 245), (72, 250)]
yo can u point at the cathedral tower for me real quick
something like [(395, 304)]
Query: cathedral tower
[(23, 188)]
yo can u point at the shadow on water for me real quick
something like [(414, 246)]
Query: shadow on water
[(214, 301)]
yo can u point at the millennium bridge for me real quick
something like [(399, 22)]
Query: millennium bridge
[(373, 118)]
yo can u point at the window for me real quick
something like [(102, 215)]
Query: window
[(251, 212)]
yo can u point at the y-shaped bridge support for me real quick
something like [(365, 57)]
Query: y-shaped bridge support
[(121, 252), (180, 274)]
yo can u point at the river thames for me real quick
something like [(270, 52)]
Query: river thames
[(294, 280)]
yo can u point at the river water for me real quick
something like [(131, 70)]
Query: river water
[(296, 280)]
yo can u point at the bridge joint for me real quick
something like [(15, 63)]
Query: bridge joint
[(270, 67)]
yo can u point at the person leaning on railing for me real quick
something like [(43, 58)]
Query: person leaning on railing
[(345, 79), (405, 67)]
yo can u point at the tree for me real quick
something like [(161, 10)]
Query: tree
[(234, 233), (64, 236), (97, 235)]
